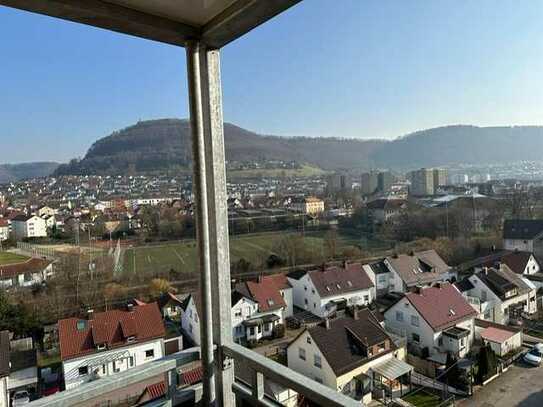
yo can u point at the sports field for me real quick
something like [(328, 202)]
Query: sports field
[(254, 248), (10, 258)]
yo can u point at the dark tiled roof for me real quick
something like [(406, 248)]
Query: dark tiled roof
[(79, 337), (502, 281), (379, 267), (296, 274), (419, 268), (526, 229), (515, 260), (441, 306), (464, 285), (343, 344), (23, 359), (336, 281), (4, 353)]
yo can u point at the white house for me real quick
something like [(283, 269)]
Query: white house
[(28, 226), (109, 342), (400, 273), (25, 274), (351, 355), (190, 322), (519, 262), (503, 339), (323, 292), (525, 235), (4, 229), (435, 320), (500, 295)]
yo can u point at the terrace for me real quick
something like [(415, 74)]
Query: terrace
[(202, 27)]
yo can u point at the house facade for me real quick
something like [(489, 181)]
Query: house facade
[(323, 292), (4, 229), (26, 274), (500, 295), (435, 321), (346, 353), (28, 226), (110, 342), (309, 205)]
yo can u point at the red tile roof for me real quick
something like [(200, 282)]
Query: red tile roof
[(110, 328), (192, 376), (441, 306), (280, 280), (496, 335), (156, 390), (266, 294), (33, 265)]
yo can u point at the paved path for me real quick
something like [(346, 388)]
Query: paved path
[(520, 386)]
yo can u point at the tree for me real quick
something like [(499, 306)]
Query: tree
[(487, 363), (112, 292), (330, 242), (159, 286), (17, 318)]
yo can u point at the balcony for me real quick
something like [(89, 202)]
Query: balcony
[(202, 29)]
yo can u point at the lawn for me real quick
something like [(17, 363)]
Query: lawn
[(10, 258), (423, 399), (254, 248)]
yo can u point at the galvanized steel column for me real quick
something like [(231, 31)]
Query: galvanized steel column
[(201, 214), (218, 221)]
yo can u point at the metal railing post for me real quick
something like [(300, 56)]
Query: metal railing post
[(199, 181), (217, 221)]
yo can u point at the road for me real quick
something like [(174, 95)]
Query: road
[(520, 386)]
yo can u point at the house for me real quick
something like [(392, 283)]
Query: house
[(46, 211), (190, 322), (399, 273), (350, 354), (519, 262), (4, 229), (109, 342), (18, 368), (324, 291), (309, 205), (525, 235), (171, 305), (26, 274), (499, 294), (382, 210), (503, 339), (28, 226), (435, 320)]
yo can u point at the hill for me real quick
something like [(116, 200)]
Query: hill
[(16, 172), (462, 145), (158, 145)]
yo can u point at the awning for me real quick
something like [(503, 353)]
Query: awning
[(392, 368)]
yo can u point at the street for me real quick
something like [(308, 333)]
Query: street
[(520, 386)]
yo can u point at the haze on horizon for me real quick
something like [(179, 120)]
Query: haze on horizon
[(363, 69)]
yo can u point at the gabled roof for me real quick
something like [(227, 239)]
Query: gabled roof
[(79, 337), (501, 281), (336, 280), (33, 265), (441, 306), (496, 335), (344, 345), (265, 292), (516, 260), (419, 267), (525, 229)]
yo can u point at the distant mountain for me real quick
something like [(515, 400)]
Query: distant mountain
[(164, 144), (462, 145), (16, 172), (159, 145)]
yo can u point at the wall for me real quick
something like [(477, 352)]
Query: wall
[(289, 300), (241, 311), (4, 395), (518, 244), (191, 323), (137, 351)]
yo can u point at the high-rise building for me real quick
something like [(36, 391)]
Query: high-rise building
[(441, 178), (385, 180), (422, 182), (338, 182), (369, 182)]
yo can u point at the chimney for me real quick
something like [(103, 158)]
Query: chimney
[(259, 279), (417, 289), (327, 324), (130, 307), (356, 316), (90, 314)]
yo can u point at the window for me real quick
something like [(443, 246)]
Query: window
[(305, 287), (318, 379), (190, 328), (83, 370), (238, 313), (252, 331), (414, 320), (150, 353), (116, 368), (305, 301), (317, 361), (259, 329), (301, 353), (440, 341), (462, 342), (103, 369), (271, 303), (312, 291), (131, 361), (308, 340), (366, 298), (399, 316), (416, 338), (483, 296), (314, 305)]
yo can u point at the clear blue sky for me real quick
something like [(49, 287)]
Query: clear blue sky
[(349, 68)]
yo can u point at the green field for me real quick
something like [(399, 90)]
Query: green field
[(10, 258), (254, 248), (423, 399)]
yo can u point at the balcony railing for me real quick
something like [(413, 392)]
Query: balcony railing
[(252, 393)]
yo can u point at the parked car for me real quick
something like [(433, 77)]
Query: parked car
[(20, 398), (533, 357)]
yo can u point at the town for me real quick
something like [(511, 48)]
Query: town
[(389, 288)]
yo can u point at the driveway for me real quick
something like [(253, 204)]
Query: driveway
[(520, 386)]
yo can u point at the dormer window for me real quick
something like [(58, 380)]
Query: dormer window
[(131, 338), (271, 303), (338, 286), (101, 346), (349, 283), (328, 288), (451, 312)]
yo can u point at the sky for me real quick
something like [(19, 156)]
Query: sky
[(348, 68)]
